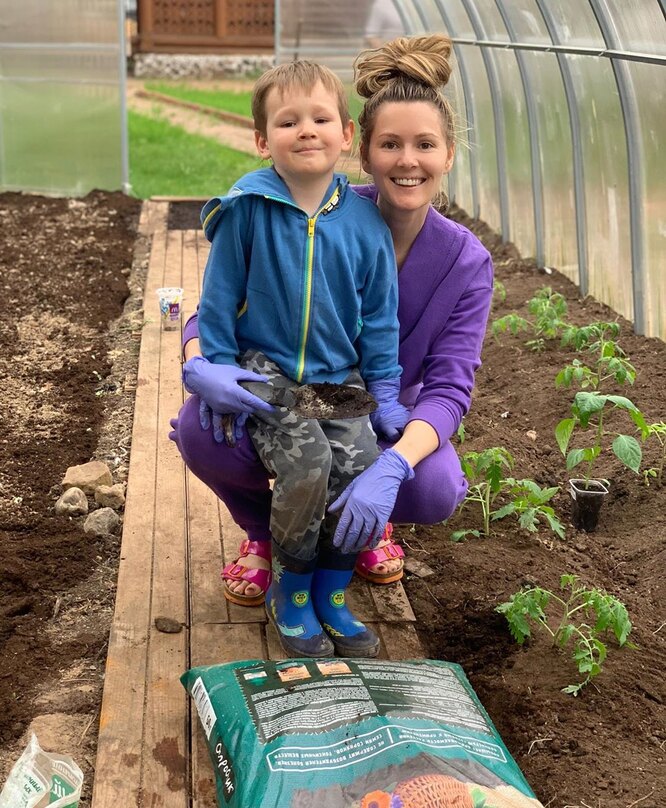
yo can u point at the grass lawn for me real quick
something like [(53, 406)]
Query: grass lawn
[(238, 101), (167, 161)]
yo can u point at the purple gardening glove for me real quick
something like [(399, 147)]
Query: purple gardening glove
[(217, 387), (390, 417), (368, 502)]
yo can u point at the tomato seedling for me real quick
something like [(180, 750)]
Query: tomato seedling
[(584, 616), (487, 483), (588, 413)]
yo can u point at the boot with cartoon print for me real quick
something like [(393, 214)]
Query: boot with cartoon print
[(289, 607), (351, 638)]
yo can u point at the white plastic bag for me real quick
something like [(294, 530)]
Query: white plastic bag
[(39, 779)]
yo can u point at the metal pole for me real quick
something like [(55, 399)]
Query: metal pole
[(468, 92), (635, 163), (498, 114), (576, 149), (400, 8), (277, 34), (535, 148), (122, 89)]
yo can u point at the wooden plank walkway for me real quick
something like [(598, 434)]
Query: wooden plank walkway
[(176, 537)]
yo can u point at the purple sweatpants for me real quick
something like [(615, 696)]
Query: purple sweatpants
[(241, 481)]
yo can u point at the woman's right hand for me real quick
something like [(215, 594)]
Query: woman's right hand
[(217, 387)]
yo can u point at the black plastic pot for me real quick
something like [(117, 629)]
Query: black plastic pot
[(587, 502)]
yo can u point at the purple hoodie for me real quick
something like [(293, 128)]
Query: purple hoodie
[(445, 289)]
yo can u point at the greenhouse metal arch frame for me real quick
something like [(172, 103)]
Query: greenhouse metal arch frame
[(563, 103)]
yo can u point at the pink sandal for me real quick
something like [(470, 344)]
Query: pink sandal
[(369, 558), (239, 572)]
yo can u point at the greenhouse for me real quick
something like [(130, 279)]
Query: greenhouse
[(352, 500)]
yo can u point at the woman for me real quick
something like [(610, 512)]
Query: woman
[(445, 287)]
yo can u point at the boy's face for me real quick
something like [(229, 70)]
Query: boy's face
[(304, 134)]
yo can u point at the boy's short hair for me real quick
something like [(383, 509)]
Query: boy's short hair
[(301, 74)]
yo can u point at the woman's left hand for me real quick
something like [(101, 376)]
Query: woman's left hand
[(390, 417), (368, 501)]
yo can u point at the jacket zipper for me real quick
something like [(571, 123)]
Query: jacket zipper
[(308, 271)]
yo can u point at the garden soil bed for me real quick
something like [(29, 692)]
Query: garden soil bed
[(72, 273)]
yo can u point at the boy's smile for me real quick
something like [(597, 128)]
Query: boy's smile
[(304, 134)]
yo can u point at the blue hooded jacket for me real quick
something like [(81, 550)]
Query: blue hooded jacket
[(317, 295)]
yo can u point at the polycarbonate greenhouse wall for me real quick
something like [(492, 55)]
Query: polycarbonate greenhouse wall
[(62, 96), (563, 102)]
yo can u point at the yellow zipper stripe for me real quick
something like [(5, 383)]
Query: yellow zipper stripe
[(212, 213), (307, 298)]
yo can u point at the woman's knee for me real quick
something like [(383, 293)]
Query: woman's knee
[(438, 488), (209, 460)]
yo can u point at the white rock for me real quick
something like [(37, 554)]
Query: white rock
[(110, 496), (87, 476), (72, 503)]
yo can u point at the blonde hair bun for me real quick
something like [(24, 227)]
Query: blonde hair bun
[(421, 59)]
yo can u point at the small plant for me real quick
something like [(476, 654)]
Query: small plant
[(549, 309), (484, 471), (600, 612), (588, 411), (499, 291), (591, 336), (606, 357), (658, 432), (513, 323), (528, 503)]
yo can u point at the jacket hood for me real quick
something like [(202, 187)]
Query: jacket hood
[(265, 182)]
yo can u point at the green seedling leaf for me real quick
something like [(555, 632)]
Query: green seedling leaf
[(555, 525), (505, 510), (628, 450), (622, 402), (461, 535), (638, 418), (577, 456), (573, 690), (528, 520), (563, 432), (587, 404)]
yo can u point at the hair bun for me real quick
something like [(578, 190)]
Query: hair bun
[(423, 59)]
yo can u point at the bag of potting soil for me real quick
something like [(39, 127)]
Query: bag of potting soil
[(39, 779), (352, 733)]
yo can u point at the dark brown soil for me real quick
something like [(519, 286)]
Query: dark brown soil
[(64, 269), (606, 748), (67, 369)]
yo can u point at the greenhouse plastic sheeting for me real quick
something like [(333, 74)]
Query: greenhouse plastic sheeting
[(561, 106), (62, 96)]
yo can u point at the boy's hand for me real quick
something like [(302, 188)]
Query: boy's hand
[(390, 417), (368, 502), (218, 386)]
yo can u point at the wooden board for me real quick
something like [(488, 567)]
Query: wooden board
[(120, 745), (166, 744)]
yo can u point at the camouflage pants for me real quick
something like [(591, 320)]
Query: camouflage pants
[(313, 462)]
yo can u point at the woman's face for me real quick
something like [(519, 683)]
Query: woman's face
[(407, 154)]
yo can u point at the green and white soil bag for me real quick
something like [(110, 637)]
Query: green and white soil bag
[(39, 779), (343, 733)]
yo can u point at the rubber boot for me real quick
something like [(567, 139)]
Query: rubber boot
[(289, 607), (350, 637)]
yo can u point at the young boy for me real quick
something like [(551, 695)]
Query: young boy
[(300, 287)]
